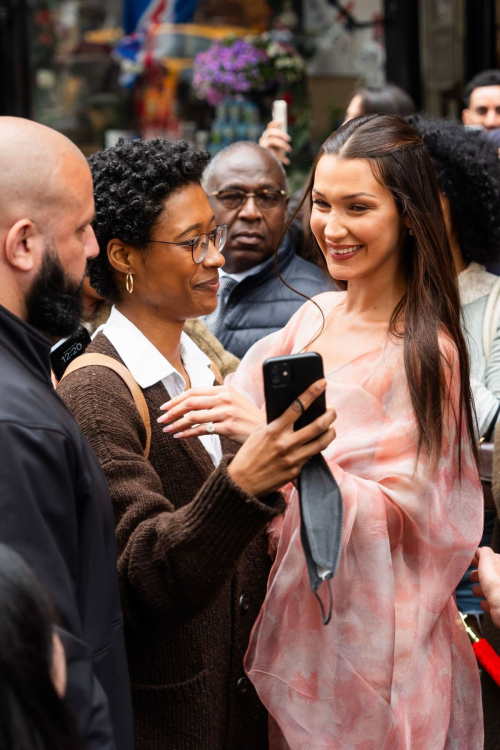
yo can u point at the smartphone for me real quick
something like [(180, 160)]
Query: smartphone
[(67, 350), (286, 378), (280, 113)]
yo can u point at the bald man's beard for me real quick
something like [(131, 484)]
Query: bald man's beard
[(54, 304)]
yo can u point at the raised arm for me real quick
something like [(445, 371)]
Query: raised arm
[(173, 560), (277, 141)]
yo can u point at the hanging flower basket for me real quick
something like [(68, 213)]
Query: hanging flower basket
[(245, 66)]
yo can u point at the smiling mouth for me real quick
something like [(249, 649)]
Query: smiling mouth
[(343, 251)]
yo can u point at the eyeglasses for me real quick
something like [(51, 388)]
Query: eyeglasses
[(199, 244), (265, 198)]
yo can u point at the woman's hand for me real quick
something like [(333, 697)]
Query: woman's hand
[(276, 140), (231, 413), (488, 577), (274, 454)]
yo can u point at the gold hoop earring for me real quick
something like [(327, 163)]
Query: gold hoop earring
[(129, 283), (411, 232)]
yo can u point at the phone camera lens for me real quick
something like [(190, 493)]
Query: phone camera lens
[(275, 380), (274, 370)]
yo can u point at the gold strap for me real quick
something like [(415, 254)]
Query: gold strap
[(102, 360)]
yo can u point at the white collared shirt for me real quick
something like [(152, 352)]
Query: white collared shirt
[(148, 366)]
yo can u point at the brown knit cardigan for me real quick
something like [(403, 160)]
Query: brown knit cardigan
[(192, 565)]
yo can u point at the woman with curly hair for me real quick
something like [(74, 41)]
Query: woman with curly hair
[(190, 516), (468, 174)]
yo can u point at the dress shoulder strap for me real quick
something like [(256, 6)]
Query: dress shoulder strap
[(102, 360)]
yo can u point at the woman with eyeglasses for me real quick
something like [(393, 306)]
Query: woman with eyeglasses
[(190, 516)]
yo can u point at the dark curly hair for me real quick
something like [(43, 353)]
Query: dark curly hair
[(484, 78), (132, 180), (468, 173)]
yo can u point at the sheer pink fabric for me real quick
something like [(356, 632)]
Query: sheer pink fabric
[(394, 669)]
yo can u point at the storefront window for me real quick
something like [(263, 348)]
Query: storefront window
[(211, 80), (76, 86)]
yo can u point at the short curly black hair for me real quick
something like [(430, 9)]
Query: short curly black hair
[(484, 78), (468, 173), (132, 180)]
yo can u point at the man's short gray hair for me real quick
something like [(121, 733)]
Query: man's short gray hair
[(211, 169)]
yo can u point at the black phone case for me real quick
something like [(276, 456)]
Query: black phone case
[(67, 350), (305, 370)]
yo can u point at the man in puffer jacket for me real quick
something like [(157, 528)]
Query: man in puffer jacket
[(246, 186)]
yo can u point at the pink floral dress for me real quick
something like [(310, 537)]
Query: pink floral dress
[(394, 669)]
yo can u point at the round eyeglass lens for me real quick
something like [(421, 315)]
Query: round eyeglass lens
[(232, 198), (268, 199), (218, 237), (221, 238)]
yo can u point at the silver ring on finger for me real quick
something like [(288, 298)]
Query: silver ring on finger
[(210, 428)]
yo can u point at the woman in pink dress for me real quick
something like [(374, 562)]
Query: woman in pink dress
[(393, 670)]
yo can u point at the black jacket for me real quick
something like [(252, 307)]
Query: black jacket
[(56, 512), (262, 304)]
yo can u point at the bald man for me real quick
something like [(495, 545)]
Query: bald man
[(55, 508), (246, 185)]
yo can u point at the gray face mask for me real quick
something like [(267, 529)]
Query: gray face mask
[(322, 517)]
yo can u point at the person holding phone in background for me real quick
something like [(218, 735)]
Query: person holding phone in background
[(404, 457), (192, 558), (389, 99)]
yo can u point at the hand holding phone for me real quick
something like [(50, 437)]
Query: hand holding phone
[(321, 507), (67, 350), (275, 137), (275, 453), (285, 378)]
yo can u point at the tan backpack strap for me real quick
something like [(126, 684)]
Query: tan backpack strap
[(102, 360), (217, 374)]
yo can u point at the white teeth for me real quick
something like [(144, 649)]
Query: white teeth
[(344, 252)]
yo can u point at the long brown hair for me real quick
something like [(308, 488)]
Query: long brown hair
[(431, 303)]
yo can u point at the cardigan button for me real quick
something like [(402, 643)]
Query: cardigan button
[(242, 685), (244, 603)]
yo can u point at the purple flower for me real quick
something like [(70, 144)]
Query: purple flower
[(236, 66)]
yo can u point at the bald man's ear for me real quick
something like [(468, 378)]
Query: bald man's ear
[(24, 246)]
